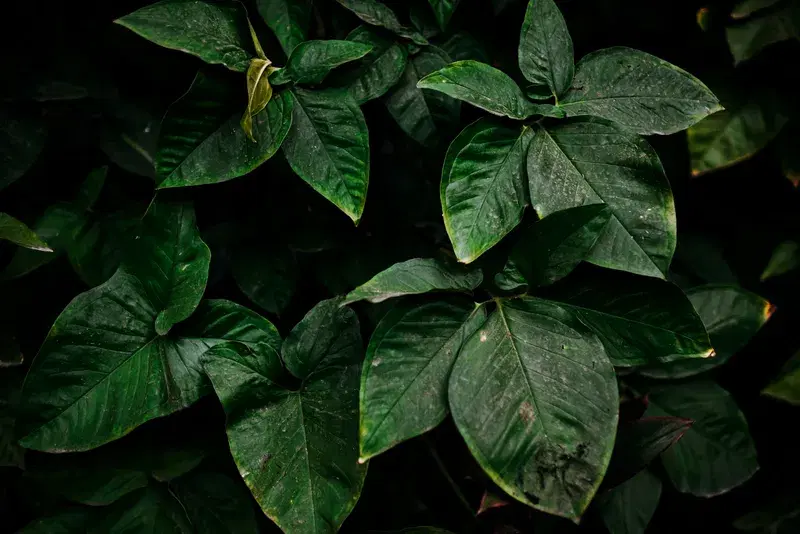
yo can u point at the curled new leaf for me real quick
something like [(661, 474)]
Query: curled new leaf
[(259, 93)]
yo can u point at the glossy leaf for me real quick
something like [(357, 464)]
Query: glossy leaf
[(288, 19), (311, 61), (215, 503), (639, 320), (482, 189), (749, 38), (535, 398), (480, 85), (22, 139), (414, 277), (405, 373), (216, 32), (374, 12), (786, 386), (202, 142), (328, 147), (380, 69), (551, 248), (637, 91), (259, 93), (628, 508), (443, 10), (267, 277), (731, 315), (591, 162), (18, 233), (545, 47), (302, 469), (717, 453)]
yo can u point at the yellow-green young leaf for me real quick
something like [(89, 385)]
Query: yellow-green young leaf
[(22, 138), (297, 450), (405, 374), (311, 61), (379, 70), (717, 453), (627, 509), (747, 39), (216, 32), (414, 277), (535, 398), (259, 93), (18, 233), (328, 147), (482, 189), (376, 13), (202, 142), (786, 386), (288, 19), (640, 92), (545, 47), (733, 135), (443, 10), (590, 162)]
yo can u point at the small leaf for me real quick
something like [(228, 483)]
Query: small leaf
[(288, 19), (745, 8), (786, 386), (628, 508), (545, 47), (22, 139), (414, 277), (747, 39), (267, 277), (482, 189), (376, 13), (328, 147), (510, 279), (259, 93), (152, 509), (311, 61), (443, 9), (535, 398), (463, 46), (785, 259), (481, 85), (717, 453), (216, 32), (405, 373), (379, 70), (16, 232), (638, 91)]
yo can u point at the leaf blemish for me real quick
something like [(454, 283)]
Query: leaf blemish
[(526, 412), (483, 337)]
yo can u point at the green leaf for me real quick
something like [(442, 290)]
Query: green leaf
[(535, 398), (380, 69), (215, 503), (69, 521), (18, 233), (216, 32), (153, 509), (311, 61), (482, 189), (22, 139), (288, 19), (628, 508), (259, 93), (328, 147), (747, 39), (733, 135), (463, 46), (443, 10), (481, 85), (510, 279), (590, 162), (376, 13), (405, 373), (639, 320), (414, 277), (95, 249), (297, 450), (717, 453), (550, 249), (785, 259), (267, 277), (420, 113), (745, 8), (731, 315), (637, 91), (786, 386), (201, 141), (545, 47)]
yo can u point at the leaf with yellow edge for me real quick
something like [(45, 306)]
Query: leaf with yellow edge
[(259, 92)]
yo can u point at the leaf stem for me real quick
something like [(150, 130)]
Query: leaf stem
[(435, 455)]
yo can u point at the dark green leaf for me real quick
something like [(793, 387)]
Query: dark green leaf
[(785, 258), (481, 85), (288, 19), (129, 135), (414, 277), (535, 398), (482, 189), (215, 503), (747, 39), (545, 47), (717, 453), (591, 162), (443, 9), (551, 248), (786, 386), (380, 69), (510, 279), (297, 451), (463, 46), (311, 61), (202, 143), (267, 277), (405, 373), (22, 139), (328, 147), (153, 509), (780, 515), (95, 250), (84, 484), (376, 13), (745, 8), (70, 521), (216, 32), (628, 508), (16, 232), (637, 91)]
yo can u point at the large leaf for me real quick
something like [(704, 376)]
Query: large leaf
[(376, 13), (551, 248), (717, 453), (201, 141), (18, 233), (288, 19), (591, 162), (628, 508), (414, 277), (482, 189), (328, 147), (443, 10), (731, 315), (545, 47), (21, 141), (311, 61), (637, 91), (267, 277), (216, 32), (481, 85), (380, 69), (535, 398), (786, 385), (297, 450), (405, 373), (215, 503), (747, 39)]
